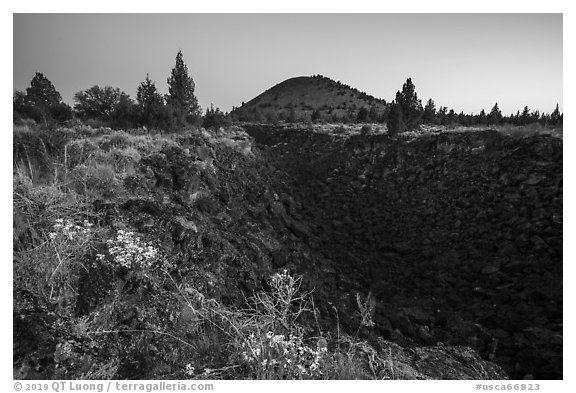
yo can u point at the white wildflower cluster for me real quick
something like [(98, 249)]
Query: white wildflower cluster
[(280, 355), (130, 251), (285, 286), (68, 230), (190, 370)]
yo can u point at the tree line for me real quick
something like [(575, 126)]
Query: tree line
[(111, 107), (406, 113)]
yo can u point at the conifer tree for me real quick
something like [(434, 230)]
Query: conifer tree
[(181, 98), (410, 105), (524, 116), (150, 104), (482, 117), (215, 118), (43, 96), (556, 118), (395, 122), (429, 112), (495, 115)]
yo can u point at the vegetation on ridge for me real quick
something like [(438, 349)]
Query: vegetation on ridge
[(133, 258)]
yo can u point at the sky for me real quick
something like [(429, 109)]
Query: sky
[(466, 62)]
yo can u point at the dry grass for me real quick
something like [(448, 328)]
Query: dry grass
[(529, 130)]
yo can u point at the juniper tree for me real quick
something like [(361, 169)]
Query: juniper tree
[(97, 102), (181, 98), (124, 114), (43, 96), (215, 118)]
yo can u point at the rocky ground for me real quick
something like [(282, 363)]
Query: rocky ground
[(457, 235)]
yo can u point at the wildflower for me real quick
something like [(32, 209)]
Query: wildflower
[(278, 338), (189, 369), (129, 251)]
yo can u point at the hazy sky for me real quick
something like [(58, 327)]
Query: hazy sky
[(463, 61)]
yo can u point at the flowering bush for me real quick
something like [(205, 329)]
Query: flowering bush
[(280, 308), (129, 251), (276, 356), (52, 268), (67, 230), (68, 242), (273, 344)]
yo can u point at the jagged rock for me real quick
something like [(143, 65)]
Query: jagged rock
[(494, 201), (454, 363)]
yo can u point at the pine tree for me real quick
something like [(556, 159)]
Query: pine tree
[(525, 116), (150, 104), (181, 98), (410, 105), (441, 116), (556, 118), (395, 122), (429, 112), (482, 117), (495, 115)]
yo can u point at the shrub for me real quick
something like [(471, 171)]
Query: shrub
[(268, 338), (51, 270), (95, 180), (119, 139), (365, 130), (340, 130), (129, 251), (214, 119)]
